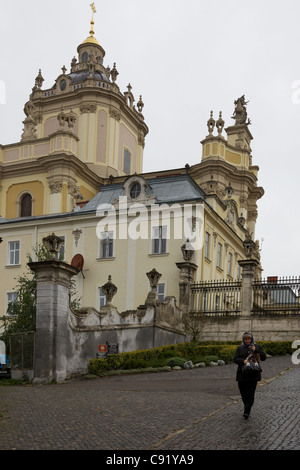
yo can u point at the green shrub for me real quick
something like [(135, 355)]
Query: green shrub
[(182, 352), (276, 348), (227, 353), (175, 361)]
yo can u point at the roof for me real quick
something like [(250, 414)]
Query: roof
[(178, 188), (168, 189), (82, 75), (283, 295)]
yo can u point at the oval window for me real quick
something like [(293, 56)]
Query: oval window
[(63, 85), (135, 191)]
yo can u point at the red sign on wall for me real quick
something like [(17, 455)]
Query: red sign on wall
[(102, 348)]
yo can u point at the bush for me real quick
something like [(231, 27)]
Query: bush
[(178, 354), (227, 353), (276, 348), (175, 361)]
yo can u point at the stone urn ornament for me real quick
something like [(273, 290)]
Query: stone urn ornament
[(53, 243)]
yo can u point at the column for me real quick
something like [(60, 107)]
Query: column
[(53, 297)]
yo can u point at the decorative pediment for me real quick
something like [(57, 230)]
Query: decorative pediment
[(135, 189)]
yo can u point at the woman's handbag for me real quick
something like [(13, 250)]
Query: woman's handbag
[(252, 367)]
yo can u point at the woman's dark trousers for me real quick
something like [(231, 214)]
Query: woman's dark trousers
[(247, 389)]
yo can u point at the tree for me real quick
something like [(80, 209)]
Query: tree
[(192, 325), (21, 314)]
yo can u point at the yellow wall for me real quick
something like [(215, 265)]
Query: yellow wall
[(35, 188)]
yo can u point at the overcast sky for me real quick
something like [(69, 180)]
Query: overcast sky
[(185, 58)]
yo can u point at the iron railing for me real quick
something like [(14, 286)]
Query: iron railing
[(215, 298), (22, 351), (276, 296)]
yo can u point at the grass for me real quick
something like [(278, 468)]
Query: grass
[(5, 382)]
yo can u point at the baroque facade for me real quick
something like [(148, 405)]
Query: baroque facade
[(78, 172)]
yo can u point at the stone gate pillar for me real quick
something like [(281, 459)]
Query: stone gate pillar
[(248, 270), (248, 266), (53, 300)]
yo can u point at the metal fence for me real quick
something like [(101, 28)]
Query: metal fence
[(216, 298), (22, 354), (276, 296)]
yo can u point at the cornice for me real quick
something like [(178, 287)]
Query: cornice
[(223, 167), (222, 140), (46, 163), (110, 94), (231, 173)]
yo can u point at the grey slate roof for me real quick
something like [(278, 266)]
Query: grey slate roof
[(168, 189)]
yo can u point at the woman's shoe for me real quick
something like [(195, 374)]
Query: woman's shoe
[(246, 412)]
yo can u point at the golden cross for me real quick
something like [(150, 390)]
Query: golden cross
[(93, 7)]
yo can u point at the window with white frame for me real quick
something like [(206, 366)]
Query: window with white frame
[(229, 264), (207, 245), (159, 240), (102, 298), (161, 291), (12, 297), (219, 255), (107, 245), (14, 253), (127, 162)]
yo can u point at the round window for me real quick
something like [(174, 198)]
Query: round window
[(135, 191)]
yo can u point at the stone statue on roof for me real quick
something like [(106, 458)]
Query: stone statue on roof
[(240, 112)]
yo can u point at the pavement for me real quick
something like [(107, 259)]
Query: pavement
[(186, 410)]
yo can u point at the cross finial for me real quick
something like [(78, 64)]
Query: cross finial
[(92, 5), (93, 8)]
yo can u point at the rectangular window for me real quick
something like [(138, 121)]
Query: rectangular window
[(229, 263), (219, 255), (13, 253), (161, 292), (207, 245), (127, 162), (238, 272), (62, 251), (11, 298), (159, 240), (102, 298), (107, 245)]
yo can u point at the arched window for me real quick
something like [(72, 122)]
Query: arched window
[(26, 205), (84, 57)]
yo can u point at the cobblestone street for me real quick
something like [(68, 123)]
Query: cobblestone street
[(198, 409)]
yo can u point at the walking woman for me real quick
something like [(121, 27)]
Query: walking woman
[(247, 382)]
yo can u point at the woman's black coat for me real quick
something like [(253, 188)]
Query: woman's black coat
[(241, 354)]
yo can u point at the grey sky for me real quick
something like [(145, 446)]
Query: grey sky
[(185, 59)]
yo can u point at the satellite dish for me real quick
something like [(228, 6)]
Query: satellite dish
[(78, 262)]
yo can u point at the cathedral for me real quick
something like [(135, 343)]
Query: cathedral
[(77, 171)]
